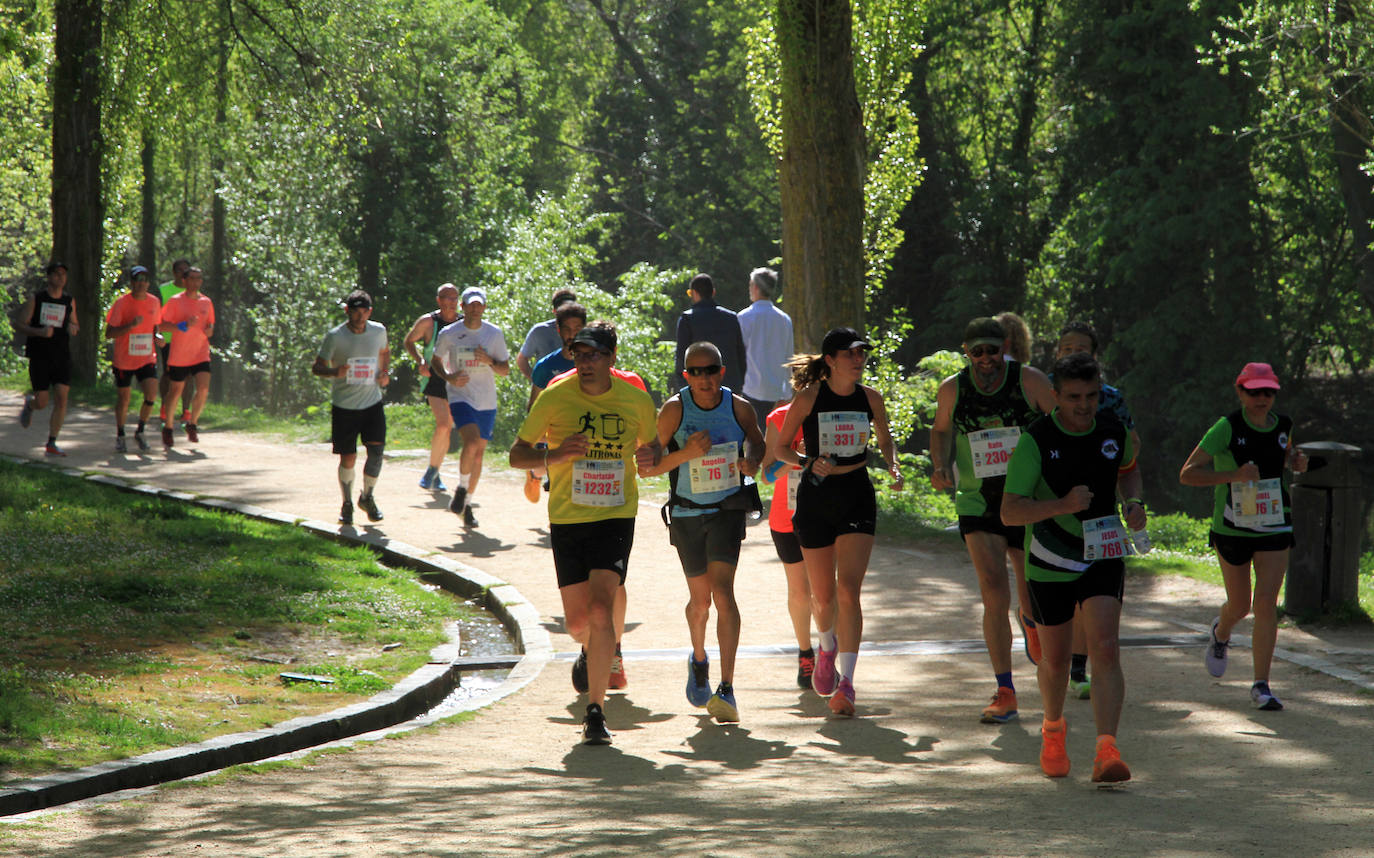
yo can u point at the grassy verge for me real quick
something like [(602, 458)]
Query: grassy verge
[(133, 623)]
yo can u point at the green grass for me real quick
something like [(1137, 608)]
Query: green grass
[(129, 622)]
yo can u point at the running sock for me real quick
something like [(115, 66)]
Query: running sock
[(1053, 726), (52, 439), (368, 482), (119, 431), (845, 663), (139, 430), (808, 652), (463, 480), (346, 483), (1078, 667), (1004, 680), (828, 640)]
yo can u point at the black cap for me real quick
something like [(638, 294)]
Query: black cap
[(53, 266), (138, 271), (358, 298), (842, 340), (596, 336), (984, 330)]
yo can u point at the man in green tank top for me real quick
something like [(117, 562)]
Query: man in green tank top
[(980, 412)]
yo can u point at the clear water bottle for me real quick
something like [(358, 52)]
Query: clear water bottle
[(1141, 540)]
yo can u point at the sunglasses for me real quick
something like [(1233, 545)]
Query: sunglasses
[(709, 369), (1259, 391), (984, 351)]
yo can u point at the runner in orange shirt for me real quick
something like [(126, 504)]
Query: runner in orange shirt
[(132, 322), (192, 316)]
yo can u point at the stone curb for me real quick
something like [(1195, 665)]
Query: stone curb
[(407, 701)]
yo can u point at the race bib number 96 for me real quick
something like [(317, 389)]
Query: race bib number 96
[(1257, 504)]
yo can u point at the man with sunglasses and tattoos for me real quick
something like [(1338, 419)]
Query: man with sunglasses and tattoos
[(980, 414), (704, 429)]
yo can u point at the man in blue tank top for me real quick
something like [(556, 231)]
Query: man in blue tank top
[(702, 428)]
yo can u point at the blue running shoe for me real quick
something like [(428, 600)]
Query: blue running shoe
[(427, 481), (698, 681), (722, 705)]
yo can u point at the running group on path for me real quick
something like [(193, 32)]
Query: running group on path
[(1045, 469)]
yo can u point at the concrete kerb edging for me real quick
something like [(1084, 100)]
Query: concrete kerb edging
[(405, 704)]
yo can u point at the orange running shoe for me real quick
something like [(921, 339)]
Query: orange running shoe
[(1054, 757), (1108, 767), (1002, 708), (842, 701), (618, 679), (1030, 635)]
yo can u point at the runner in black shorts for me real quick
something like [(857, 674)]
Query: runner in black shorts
[(419, 344), (598, 428), (784, 478), (980, 414), (164, 293), (355, 356), (1243, 456), (48, 322), (704, 430), (1062, 484), (836, 509), (131, 322)]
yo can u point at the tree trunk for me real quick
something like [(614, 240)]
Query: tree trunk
[(78, 202), (147, 245), (1351, 140), (228, 312), (822, 170)]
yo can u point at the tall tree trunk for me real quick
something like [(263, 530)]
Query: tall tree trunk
[(147, 245), (78, 202), (228, 311), (1352, 135), (822, 170)]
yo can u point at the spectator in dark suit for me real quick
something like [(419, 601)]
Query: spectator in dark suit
[(707, 321)]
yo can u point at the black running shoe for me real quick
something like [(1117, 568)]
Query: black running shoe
[(346, 513), (469, 520), (594, 730), (368, 504), (579, 673), (459, 502), (141, 442), (806, 665)]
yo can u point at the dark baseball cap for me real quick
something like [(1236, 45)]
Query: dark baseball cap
[(984, 330), (53, 266), (842, 340), (358, 298), (138, 271), (597, 336)]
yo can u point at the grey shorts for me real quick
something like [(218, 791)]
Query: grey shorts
[(713, 537)]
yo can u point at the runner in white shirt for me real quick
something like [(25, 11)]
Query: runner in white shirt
[(468, 355)]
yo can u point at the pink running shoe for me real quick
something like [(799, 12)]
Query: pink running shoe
[(824, 678), (842, 701)]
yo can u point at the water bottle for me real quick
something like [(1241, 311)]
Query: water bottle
[(770, 473), (1141, 540), (812, 477)]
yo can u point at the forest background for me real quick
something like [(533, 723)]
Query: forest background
[(1190, 176)]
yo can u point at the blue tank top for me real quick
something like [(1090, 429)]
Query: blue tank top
[(716, 466)]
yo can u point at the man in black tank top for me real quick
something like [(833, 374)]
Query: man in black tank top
[(419, 344), (48, 322), (980, 412)]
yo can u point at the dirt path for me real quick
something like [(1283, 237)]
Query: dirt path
[(915, 775)]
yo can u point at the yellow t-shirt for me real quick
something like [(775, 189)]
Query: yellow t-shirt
[(602, 484)]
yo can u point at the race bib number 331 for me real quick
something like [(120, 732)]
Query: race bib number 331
[(842, 433)]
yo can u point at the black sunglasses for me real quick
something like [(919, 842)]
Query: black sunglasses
[(981, 351), (709, 369), (1260, 391)]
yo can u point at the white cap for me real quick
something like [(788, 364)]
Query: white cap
[(474, 293)]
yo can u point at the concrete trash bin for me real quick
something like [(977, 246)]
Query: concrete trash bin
[(1324, 568)]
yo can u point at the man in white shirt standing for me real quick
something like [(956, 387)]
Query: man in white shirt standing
[(468, 355), (768, 342)]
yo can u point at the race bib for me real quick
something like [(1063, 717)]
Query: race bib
[(991, 450), (842, 433), (716, 471), (140, 344), (1257, 504), (51, 315), (598, 482), (361, 370), (1104, 538), (791, 478), (466, 358)]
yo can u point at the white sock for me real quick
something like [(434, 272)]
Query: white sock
[(828, 640), (844, 664), (346, 483), (464, 479), (368, 482)]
